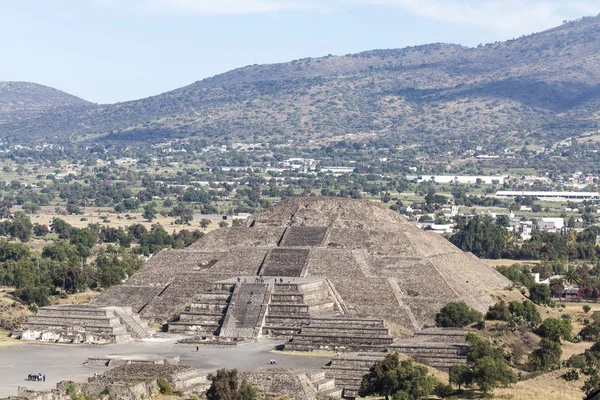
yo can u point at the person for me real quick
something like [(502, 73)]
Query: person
[(44, 378), (197, 349)]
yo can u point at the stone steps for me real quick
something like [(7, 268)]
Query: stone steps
[(348, 370), (83, 324), (326, 387), (339, 334), (206, 313), (137, 328)]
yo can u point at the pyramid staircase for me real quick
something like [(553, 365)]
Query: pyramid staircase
[(292, 305), (342, 334), (436, 347), (206, 313)]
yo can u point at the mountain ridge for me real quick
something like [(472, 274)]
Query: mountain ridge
[(541, 87)]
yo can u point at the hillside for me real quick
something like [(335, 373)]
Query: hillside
[(24, 100), (541, 88)]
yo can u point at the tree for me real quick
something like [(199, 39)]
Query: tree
[(498, 311), (403, 380), (526, 310), (487, 364), (460, 375), (540, 293), (592, 385), (572, 276), (225, 385), (22, 228), (247, 391), (482, 237), (223, 224), (546, 357), (149, 212), (457, 315), (554, 329), (557, 287), (586, 308), (373, 381)]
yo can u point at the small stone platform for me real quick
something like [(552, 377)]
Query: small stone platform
[(84, 324)]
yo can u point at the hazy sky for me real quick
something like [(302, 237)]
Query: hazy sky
[(116, 50)]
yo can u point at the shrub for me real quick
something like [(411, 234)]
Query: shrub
[(586, 308), (577, 361), (164, 385), (526, 310), (442, 391), (457, 315), (571, 375), (554, 329), (498, 312)]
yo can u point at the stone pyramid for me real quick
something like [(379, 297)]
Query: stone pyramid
[(375, 262)]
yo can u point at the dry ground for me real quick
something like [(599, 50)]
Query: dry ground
[(93, 214), (12, 311), (505, 261)]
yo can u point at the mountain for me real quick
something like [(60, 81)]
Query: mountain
[(542, 88), (23, 100)]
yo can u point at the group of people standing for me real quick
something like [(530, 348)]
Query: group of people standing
[(37, 377)]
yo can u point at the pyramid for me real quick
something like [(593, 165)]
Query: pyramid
[(375, 263)]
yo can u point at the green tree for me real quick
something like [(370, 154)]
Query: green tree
[(539, 293), (554, 329), (204, 223), (22, 228), (460, 375), (526, 310), (457, 315), (487, 364), (405, 380), (225, 385), (149, 212), (482, 237), (546, 357)]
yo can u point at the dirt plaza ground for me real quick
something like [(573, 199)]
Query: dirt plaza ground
[(61, 362)]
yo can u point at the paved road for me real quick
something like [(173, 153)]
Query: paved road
[(65, 362)]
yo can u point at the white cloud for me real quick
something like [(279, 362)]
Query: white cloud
[(510, 16), (224, 7)]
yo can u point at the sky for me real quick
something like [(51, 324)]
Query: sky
[(107, 51)]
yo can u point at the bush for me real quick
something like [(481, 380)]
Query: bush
[(457, 315), (554, 329), (586, 308), (577, 361), (498, 312), (442, 391), (164, 385), (526, 310), (571, 375)]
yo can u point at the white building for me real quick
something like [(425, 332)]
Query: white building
[(457, 178), (549, 196)]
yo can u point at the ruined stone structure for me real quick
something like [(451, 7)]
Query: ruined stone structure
[(325, 272), (84, 324)]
